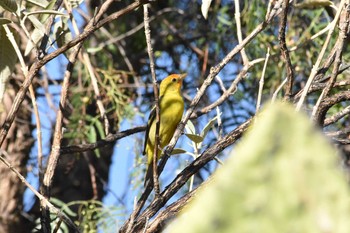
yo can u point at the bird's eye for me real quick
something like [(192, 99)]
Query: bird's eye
[(173, 80)]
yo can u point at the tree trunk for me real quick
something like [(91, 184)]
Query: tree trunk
[(16, 148)]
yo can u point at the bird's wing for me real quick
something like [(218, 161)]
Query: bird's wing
[(151, 118)]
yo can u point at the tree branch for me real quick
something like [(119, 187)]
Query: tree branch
[(156, 98), (111, 138), (284, 49), (327, 103), (158, 224)]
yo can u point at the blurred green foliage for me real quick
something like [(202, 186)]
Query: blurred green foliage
[(91, 215), (283, 177)]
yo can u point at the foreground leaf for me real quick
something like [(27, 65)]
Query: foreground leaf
[(8, 59), (283, 177)]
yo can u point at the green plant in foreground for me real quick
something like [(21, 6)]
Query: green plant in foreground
[(283, 177)]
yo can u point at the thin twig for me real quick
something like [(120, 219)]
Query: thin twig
[(284, 49), (262, 80), (125, 57), (156, 98), (336, 117), (339, 133), (239, 31), (205, 59), (98, 97), (57, 227), (221, 84), (279, 88), (341, 141), (92, 171), (110, 139), (328, 102), (220, 128), (38, 132)]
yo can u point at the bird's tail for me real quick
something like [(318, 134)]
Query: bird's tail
[(149, 174)]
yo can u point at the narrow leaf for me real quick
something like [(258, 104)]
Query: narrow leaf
[(62, 32), (8, 59), (41, 3), (4, 21), (311, 4), (177, 151), (9, 5), (63, 206), (208, 126), (36, 37), (195, 138), (205, 8), (100, 130), (190, 127)]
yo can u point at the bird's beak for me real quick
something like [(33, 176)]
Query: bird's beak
[(182, 76)]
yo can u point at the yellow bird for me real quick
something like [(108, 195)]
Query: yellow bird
[(171, 106)]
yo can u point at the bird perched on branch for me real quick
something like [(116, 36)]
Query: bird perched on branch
[(171, 106)]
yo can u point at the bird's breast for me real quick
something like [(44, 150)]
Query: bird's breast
[(171, 109)]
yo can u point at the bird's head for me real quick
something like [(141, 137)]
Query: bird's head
[(172, 83)]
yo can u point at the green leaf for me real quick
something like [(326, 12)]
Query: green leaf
[(205, 8), (177, 151), (4, 21), (37, 24), (194, 137), (100, 129), (284, 176), (39, 31), (9, 5), (63, 206), (62, 32), (208, 126), (41, 3), (37, 34), (311, 4), (92, 137), (74, 3), (36, 37), (48, 13), (8, 59), (93, 50), (224, 21), (190, 127)]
